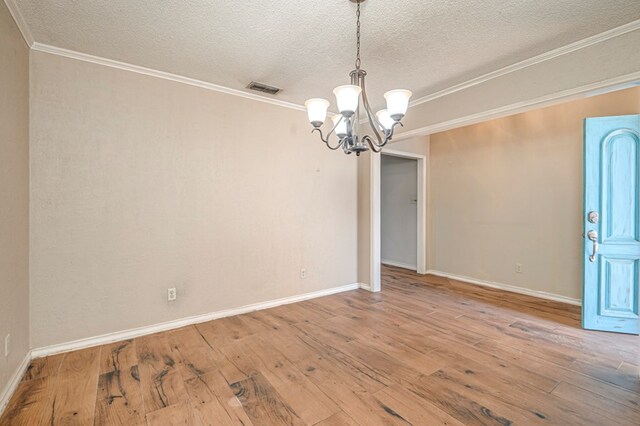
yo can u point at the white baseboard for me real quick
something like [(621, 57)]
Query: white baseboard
[(507, 287), (364, 286), (11, 387), (170, 325), (398, 264)]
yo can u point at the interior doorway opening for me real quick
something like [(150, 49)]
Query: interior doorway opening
[(421, 214), (399, 211)]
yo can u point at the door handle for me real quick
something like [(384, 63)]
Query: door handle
[(593, 236)]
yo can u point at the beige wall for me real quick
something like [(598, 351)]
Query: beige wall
[(139, 184), (14, 195), (509, 191)]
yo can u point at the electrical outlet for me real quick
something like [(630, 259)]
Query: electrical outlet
[(303, 274), (7, 343), (172, 294), (518, 268)]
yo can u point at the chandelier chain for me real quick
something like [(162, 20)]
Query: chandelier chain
[(358, 37)]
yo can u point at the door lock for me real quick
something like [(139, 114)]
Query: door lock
[(593, 217)]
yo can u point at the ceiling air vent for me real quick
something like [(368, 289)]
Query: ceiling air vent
[(260, 87)]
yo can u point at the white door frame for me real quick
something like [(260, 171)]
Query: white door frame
[(375, 257)]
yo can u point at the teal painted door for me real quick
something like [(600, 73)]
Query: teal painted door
[(611, 224)]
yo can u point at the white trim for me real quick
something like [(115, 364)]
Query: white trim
[(364, 286), (580, 44), (507, 287), (589, 41), (160, 74), (518, 107), (563, 50), (11, 387), (421, 226), (14, 10), (170, 325), (398, 264), (374, 230)]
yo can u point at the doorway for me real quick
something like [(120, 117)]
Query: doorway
[(399, 211), (421, 222)]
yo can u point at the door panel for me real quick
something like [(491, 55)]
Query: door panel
[(617, 298), (612, 240), (620, 187)]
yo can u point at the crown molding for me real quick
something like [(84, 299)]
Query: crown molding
[(580, 44), (160, 74), (40, 47), (20, 22), (593, 89)]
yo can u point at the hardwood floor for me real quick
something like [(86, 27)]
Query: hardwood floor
[(424, 351)]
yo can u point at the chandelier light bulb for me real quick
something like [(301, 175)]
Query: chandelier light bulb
[(341, 125), (385, 119), (317, 111), (347, 97), (397, 103)]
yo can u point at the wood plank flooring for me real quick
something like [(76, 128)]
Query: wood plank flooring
[(424, 351)]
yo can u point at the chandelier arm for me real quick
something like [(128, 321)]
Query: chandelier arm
[(377, 147), (378, 144), (340, 143), (374, 147), (335, 126), (333, 129), (326, 140), (316, 129), (397, 123), (373, 120), (389, 134)]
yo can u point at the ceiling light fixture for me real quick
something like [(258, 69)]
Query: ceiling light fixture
[(350, 99)]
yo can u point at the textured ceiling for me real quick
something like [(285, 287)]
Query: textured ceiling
[(308, 47)]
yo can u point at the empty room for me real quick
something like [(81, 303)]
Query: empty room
[(340, 212)]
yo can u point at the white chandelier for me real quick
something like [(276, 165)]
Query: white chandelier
[(350, 99)]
